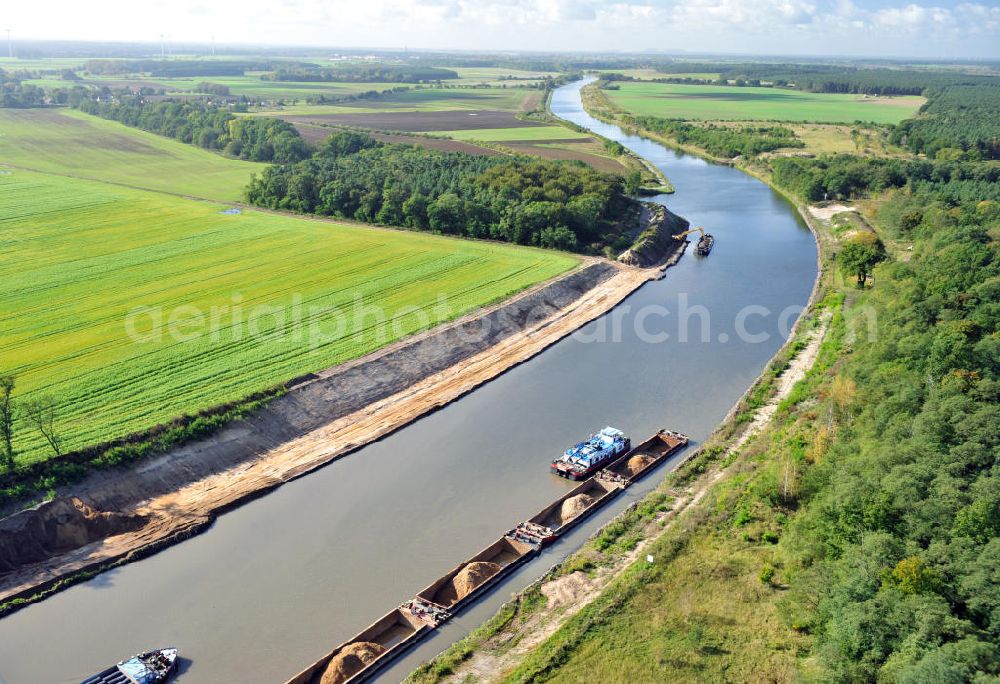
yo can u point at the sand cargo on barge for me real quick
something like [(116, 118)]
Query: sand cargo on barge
[(569, 510), (371, 650), (473, 577), (361, 657)]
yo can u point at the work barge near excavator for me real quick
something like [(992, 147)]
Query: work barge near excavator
[(375, 647)]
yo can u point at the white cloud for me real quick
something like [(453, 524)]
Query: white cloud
[(910, 27)]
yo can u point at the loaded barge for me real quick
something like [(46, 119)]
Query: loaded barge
[(373, 649)]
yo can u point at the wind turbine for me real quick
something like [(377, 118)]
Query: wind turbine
[(10, 46)]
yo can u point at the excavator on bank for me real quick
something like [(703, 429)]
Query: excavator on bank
[(705, 242)]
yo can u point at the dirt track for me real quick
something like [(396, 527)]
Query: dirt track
[(312, 426)]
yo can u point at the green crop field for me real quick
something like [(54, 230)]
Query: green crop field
[(651, 74), (249, 85), (72, 143), (18, 64), (747, 104), (252, 86), (218, 306), (518, 133), (431, 100), (498, 75)]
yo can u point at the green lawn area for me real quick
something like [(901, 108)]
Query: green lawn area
[(746, 104), (81, 255), (520, 133), (73, 143)]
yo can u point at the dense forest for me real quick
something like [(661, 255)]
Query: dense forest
[(353, 73), (214, 128), (562, 205), (894, 554), (850, 177), (959, 118)]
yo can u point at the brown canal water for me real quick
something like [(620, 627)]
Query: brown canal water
[(278, 582)]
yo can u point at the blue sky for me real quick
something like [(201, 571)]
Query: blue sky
[(935, 29)]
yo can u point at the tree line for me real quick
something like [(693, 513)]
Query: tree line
[(829, 78), (361, 73), (172, 68), (846, 176), (562, 205), (261, 139), (14, 92)]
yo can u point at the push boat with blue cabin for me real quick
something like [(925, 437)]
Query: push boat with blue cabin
[(584, 459), (151, 667)]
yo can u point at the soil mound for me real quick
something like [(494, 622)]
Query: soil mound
[(574, 506), (56, 527), (656, 241), (351, 660), (637, 463), (463, 584)]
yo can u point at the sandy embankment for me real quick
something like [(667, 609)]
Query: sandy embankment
[(315, 424)]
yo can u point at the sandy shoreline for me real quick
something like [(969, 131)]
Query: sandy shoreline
[(180, 512)]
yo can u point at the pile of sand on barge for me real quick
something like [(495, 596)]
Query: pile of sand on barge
[(351, 660), (637, 463), (465, 582), (574, 506)]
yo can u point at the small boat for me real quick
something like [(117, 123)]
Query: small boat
[(583, 459), (151, 667)]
